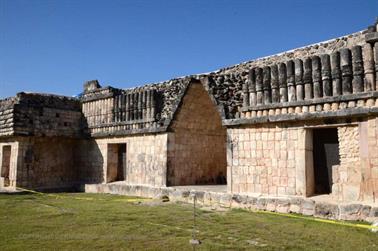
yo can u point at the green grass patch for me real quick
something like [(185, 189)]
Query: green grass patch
[(111, 222)]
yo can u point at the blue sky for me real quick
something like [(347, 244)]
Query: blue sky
[(54, 46)]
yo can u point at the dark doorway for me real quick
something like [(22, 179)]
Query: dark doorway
[(116, 162), (5, 164), (326, 154), (121, 167)]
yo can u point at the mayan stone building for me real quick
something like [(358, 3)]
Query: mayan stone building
[(296, 124)]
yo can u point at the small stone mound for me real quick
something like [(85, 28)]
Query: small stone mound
[(164, 198)]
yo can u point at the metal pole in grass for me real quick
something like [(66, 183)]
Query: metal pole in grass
[(194, 242)]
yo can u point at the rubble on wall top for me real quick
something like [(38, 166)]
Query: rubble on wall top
[(91, 85), (323, 47), (43, 100), (7, 102)]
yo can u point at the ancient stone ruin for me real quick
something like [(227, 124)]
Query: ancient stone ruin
[(282, 133)]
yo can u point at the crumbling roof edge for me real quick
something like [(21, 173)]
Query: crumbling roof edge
[(294, 117), (220, 70), (361, 32)]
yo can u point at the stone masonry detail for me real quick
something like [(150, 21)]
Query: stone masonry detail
[(197, 142)]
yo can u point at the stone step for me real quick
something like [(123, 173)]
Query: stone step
[(219, 200)]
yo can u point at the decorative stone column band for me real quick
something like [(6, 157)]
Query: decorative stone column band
[(139, 106), (343, 72)]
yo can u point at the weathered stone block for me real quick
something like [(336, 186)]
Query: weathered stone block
[(308, 207), (326, 210)]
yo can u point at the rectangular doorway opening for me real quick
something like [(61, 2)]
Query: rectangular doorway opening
[(5, 165), (116, 162), (121, 167), (325, 155)]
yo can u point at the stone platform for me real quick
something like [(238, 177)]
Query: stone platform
[(217, 197), (10, 190)]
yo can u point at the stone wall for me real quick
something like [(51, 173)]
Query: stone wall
[(90, 161), (347, 176), (34, 114), (6, 116), (47, 115), (46, 162), (369, 159), (356, 176), (197, 141), (146, 159), (263, 159), (276, 159), (48, 122)]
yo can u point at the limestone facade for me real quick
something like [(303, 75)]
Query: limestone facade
[(39, 162), (46, 163), (263, 159), (299, 123), (146, 159), (193, 151), (278, 160)]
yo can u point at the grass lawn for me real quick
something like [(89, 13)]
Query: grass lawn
[(110, 222)]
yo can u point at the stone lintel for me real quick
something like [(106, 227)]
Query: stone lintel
[(122, 123), (149, 130), (356, 112)]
